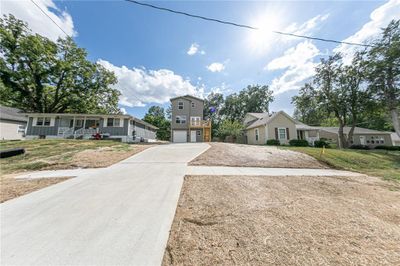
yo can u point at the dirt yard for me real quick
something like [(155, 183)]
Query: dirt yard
[(227, 154), (12, 187), (244, 220)]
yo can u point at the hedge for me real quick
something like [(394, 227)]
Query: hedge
[(321, 143), (389, 148), (359, 147), (298, 142), (273, 142)]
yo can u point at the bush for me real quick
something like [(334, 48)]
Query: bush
[(273, 142), (359, 147), (321, 143), (389, 148), (298, 142)]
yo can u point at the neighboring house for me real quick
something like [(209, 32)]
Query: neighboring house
[(12, 123), (260, 127), (395, 139), (114, 126), (361, 136), (188, 124)]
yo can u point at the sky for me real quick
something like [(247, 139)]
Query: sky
[(157, 55)]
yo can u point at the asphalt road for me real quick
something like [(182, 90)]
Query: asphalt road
[(120, 215)]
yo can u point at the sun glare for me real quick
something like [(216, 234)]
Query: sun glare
[(262, 39)]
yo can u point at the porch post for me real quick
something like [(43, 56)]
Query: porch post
[(73, 126), (84, 122)]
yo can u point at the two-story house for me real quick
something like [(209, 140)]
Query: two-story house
[(188, 124)]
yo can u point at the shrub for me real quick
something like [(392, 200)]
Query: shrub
[(321, 143), (273, 142), (298, 142), (389, 148), (359, 147)]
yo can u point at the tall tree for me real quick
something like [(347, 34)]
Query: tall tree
[(306, 106), (39, 75), (212, 108), (156, 116), (254, 98), (384, 71)]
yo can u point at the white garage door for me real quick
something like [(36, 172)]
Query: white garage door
[(179, 136)]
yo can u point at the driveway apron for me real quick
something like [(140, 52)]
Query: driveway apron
[(120, 215)]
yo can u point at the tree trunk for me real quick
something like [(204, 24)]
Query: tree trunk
[(350, 136), (342, 139), (395, 120)]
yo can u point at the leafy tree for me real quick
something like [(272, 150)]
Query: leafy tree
[(40, 75), (156, 116), (306, 106), (212, 107), (230, 128), (384, 71), (254, 98)]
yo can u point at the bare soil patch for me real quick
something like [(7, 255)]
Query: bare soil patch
[(227, 154), (12, 187), (253, 220)]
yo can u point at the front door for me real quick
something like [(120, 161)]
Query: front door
[(193, 136), (362, 140)]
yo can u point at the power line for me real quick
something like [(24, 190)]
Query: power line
[(49, 17), (242, 25)]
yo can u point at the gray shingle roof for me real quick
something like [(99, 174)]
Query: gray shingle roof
[(357, 130), (14, 114)]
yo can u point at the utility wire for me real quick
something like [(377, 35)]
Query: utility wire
[(242, 25), (49, 17)]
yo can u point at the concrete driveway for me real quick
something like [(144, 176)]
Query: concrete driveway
[(120, 215)]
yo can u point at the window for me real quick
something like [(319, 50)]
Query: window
[(180, 105), (193, 105), (79, 123), (195, 120), (180, 119), (113, 122), (282, 133), (257, 133), (43, 121)]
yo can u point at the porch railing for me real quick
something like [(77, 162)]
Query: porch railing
[(200, 123)]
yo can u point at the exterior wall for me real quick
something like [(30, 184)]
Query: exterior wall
[(11, 130), (251, 135), (281, 121), (42, 130), (115, 131), (187, 110), (356, 138)]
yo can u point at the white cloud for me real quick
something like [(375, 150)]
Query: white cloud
[(195, 49), (379, 19), (37, 21), (123, 110), (141, 86), (307, 27), (299, 65), (216, 67)]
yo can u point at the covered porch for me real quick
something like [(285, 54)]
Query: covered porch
[(308, 133), (78, 126)]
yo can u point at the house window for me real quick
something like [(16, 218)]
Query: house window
[(282, 133), (113, 122), (180, 105), (195, 120), (43, 121), (193, 105), (257, 133), (180, 119)]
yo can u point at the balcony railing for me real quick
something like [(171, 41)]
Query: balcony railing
[(200, 123)]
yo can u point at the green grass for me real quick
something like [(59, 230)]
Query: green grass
[(385, 164), (42, 154)]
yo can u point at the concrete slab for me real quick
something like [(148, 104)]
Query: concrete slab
[(120, 215)]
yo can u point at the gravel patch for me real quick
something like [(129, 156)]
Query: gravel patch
[(255, 220), (227, 154)]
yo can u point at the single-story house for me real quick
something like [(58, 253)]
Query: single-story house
[(12, 123), (260, 127), (83, 126), (361, 136)]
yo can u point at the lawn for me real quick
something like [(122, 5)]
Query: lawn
[(379, 163), (64, 154)]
